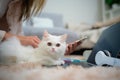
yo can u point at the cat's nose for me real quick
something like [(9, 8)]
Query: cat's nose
[(53, 49)]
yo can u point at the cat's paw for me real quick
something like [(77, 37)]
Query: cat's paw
[(60, 62)]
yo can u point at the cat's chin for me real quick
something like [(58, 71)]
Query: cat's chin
[(52, 52)]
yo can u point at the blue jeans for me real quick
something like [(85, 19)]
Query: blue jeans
[(109, 40)]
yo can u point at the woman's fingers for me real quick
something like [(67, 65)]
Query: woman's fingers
[(70, 48), (36, 39), (29, 40)]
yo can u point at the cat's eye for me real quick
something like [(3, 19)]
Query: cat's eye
[(49, 44), (58, 44)]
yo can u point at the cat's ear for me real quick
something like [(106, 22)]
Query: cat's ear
[(64, 38), (45, 35)]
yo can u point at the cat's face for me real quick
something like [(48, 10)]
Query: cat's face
[(54, 44)]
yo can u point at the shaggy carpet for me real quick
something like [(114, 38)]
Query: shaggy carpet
[(34, 71)]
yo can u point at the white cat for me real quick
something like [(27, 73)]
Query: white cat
[(49, 52)]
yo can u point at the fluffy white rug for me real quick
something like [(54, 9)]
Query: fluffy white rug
[(34, 71)]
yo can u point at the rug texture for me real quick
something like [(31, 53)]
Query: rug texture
[(34, 71)]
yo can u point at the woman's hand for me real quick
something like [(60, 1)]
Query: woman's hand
[(29, 40), (72, 47), (25, 40)]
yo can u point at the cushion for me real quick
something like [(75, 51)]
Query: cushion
[(42, 22)]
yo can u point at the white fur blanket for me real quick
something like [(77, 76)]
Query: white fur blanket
[(34, 71)]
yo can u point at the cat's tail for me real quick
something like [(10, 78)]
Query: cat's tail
[(12, 47)]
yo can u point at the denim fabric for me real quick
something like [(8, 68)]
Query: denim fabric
[(109, 40)]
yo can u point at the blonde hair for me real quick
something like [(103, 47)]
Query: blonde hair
[(31, 7)]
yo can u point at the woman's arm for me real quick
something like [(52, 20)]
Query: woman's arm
[(25, 40)]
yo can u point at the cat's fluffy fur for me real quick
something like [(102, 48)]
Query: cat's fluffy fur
[(31, 71), (49, 51)]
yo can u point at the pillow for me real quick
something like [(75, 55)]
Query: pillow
[(42, 22)]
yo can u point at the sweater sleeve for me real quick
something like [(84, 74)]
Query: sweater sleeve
[(2, 34)]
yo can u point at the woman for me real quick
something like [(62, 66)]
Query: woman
[(13, 13)]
